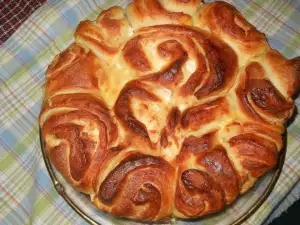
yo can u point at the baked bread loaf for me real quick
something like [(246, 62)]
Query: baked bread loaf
[(169, 108)]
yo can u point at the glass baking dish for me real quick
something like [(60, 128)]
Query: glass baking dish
[(234, 214)]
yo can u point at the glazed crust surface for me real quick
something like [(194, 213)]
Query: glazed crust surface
[(170, 108)]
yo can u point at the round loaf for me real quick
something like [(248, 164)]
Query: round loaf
[(171, 108)]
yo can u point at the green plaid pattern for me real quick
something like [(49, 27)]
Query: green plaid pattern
[(27, 195)]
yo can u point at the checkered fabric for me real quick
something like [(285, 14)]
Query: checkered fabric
[(13, 13), (27, 195)]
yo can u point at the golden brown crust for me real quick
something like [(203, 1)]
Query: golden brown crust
[(63, 75), (197, 194), (139, 187), (226, 22), (142, 13), (282, 72), (174, 111), (259, 99)]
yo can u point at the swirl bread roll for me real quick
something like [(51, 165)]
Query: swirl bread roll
[(169, 108)]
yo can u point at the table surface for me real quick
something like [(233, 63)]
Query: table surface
[(290, 217), (13, 13)]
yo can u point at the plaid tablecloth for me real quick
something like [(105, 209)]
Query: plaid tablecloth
[(27, 195), (13, 13)]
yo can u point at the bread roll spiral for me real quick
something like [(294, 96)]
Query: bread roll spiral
[(172, 108)]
